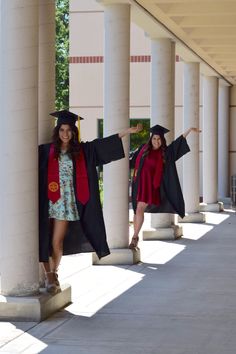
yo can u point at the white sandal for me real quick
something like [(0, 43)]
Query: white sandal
[(50, 287), (56, 278)]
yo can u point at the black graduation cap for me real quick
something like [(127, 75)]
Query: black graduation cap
[(158, 129), (66, 117)]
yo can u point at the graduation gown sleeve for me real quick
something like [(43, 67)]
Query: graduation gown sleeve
[(105, 150), (177, 148), (98, 152), (172, 197)]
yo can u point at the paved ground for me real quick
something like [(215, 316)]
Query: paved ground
[(180, 300)]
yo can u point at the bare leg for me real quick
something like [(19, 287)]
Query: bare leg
[(138, 222), (139, 217), (59, 231)]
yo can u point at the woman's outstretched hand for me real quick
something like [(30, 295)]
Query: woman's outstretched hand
[(192, 129), (137, 129), (132, 130), (196, 130)]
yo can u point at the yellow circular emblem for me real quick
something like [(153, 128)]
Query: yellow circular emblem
[(53, 187)]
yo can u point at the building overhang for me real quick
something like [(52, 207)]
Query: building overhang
[(204, 31)]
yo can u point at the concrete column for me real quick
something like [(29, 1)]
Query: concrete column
[(191, 160), (18, 145), (232, 132), (162, 112), (223, 145), (210, 145), (19, 31), (46, 82), (116, 118), (46, 77)]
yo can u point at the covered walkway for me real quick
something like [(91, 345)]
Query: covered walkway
[(198, 37), (181, 299)]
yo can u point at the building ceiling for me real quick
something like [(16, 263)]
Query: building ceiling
[(203, 30)]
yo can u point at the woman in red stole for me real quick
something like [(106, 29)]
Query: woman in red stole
[(155, 185), (70, 212)]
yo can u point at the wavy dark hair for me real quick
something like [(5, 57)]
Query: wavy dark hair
[(74, 144), (162, 147)]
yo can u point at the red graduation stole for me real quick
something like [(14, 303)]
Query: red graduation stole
[(82, 186), (157, 178), (159, 170), (138, 159)]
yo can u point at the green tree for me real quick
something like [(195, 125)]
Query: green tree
[(142, 137), (62, 54)]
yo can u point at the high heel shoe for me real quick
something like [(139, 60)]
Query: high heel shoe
[(56, 280), (51, 287), (134, 243)]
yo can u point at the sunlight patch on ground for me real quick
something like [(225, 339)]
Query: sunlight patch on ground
[(159, 252), (195, 231), (230, 210), (215, 218), (102, 288), (18, 341), (7, 329)]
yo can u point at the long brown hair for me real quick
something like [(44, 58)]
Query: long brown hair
[(162, 147), (74, 145)]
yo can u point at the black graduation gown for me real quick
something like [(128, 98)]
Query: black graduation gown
[(172, 200), (87, 234)]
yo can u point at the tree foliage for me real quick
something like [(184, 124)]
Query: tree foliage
[(62, 54), (142, 137)]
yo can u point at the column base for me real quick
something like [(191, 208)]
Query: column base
[(33, 308), (225, 200), (118, 256), (193, 218), (165, 233), (215, 207)]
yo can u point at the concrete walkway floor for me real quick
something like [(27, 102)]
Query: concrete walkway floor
[(180, 300)]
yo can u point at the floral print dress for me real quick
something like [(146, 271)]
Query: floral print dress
[(65, 208)]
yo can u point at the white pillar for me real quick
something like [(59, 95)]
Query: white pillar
[(223, 142), (18, 146), (191, 160), (210, 144), (116, 118), (232, 133), (162, 112), (162, 85), (46, 82), (19, 265), (46, 76)]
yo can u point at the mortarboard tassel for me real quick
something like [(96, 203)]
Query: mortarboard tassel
[(78, 129)]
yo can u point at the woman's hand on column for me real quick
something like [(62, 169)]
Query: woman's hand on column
[(192, 129), (132, 130)]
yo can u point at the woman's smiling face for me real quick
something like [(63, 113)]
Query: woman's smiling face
[(156, 141), (65, 133)]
